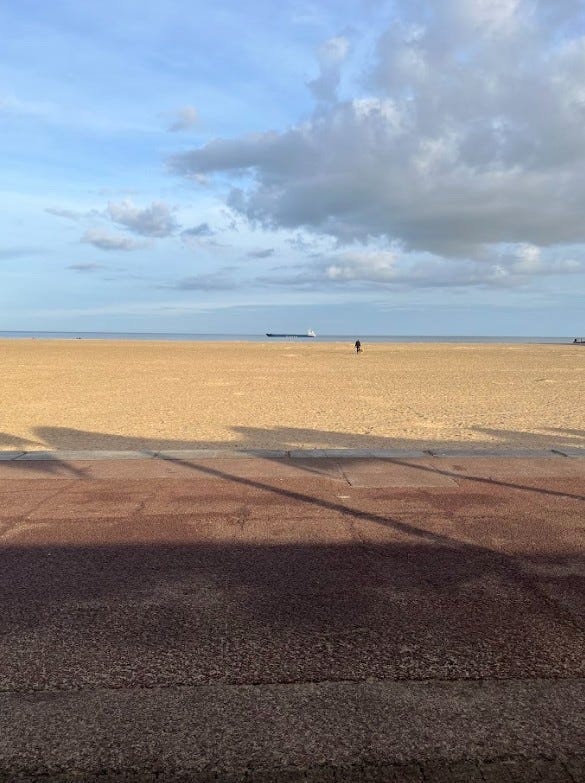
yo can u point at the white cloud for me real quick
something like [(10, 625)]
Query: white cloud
[(106, 241), (157, 220), (528, 260), (154, 221), (201, 230), (68, 214), (72, 214), (371, 266), (391, 269)]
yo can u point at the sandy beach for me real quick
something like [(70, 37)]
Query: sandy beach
[(94, 394)]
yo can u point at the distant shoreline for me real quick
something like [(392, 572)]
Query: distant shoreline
[(262, 338)]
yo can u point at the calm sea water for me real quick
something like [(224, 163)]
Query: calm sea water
[(255, 338)]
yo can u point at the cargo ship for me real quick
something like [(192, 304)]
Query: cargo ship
[(308, 333)]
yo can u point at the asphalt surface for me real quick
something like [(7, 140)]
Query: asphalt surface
[(277, 618)]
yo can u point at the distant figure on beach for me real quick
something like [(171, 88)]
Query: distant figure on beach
[(358, 346)]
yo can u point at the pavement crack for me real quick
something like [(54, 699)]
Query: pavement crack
[(343, 473), (139, 510), (12, 528), (222, 683), (243, 517)]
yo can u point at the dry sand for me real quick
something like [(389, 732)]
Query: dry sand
[(82, 394)]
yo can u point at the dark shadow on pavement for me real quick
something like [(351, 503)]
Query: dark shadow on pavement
[(159, 614), (58, 438)]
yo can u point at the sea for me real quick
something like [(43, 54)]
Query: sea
[(260, 338)]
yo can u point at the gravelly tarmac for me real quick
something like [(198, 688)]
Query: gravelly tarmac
[(414, 618)]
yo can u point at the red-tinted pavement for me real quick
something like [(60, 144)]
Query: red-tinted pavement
[(310, 619)]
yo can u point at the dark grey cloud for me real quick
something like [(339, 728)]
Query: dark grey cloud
[(467, 136), (105, 241), (262, 253), (157, 220), (307, 246), (232, 220)]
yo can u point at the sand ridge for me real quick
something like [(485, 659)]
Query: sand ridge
[(98, 394)]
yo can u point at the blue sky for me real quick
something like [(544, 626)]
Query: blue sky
[(355, 167)]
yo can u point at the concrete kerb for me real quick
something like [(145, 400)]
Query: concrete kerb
[(70, 456), (518, 453), (570, 452), (293, 454)]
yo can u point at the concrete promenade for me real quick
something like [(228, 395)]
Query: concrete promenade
[(292, 616)]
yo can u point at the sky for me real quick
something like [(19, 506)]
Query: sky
[(350, 166)]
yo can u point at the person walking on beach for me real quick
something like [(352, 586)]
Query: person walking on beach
[(358, 346)]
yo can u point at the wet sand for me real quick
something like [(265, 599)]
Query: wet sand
[(94, 394)]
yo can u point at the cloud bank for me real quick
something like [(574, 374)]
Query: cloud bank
[(465, 140), (388, 269)]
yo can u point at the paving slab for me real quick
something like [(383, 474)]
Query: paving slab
[(503, 467), (391, 473), (19, 502), (228, 468), (157, 466)]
